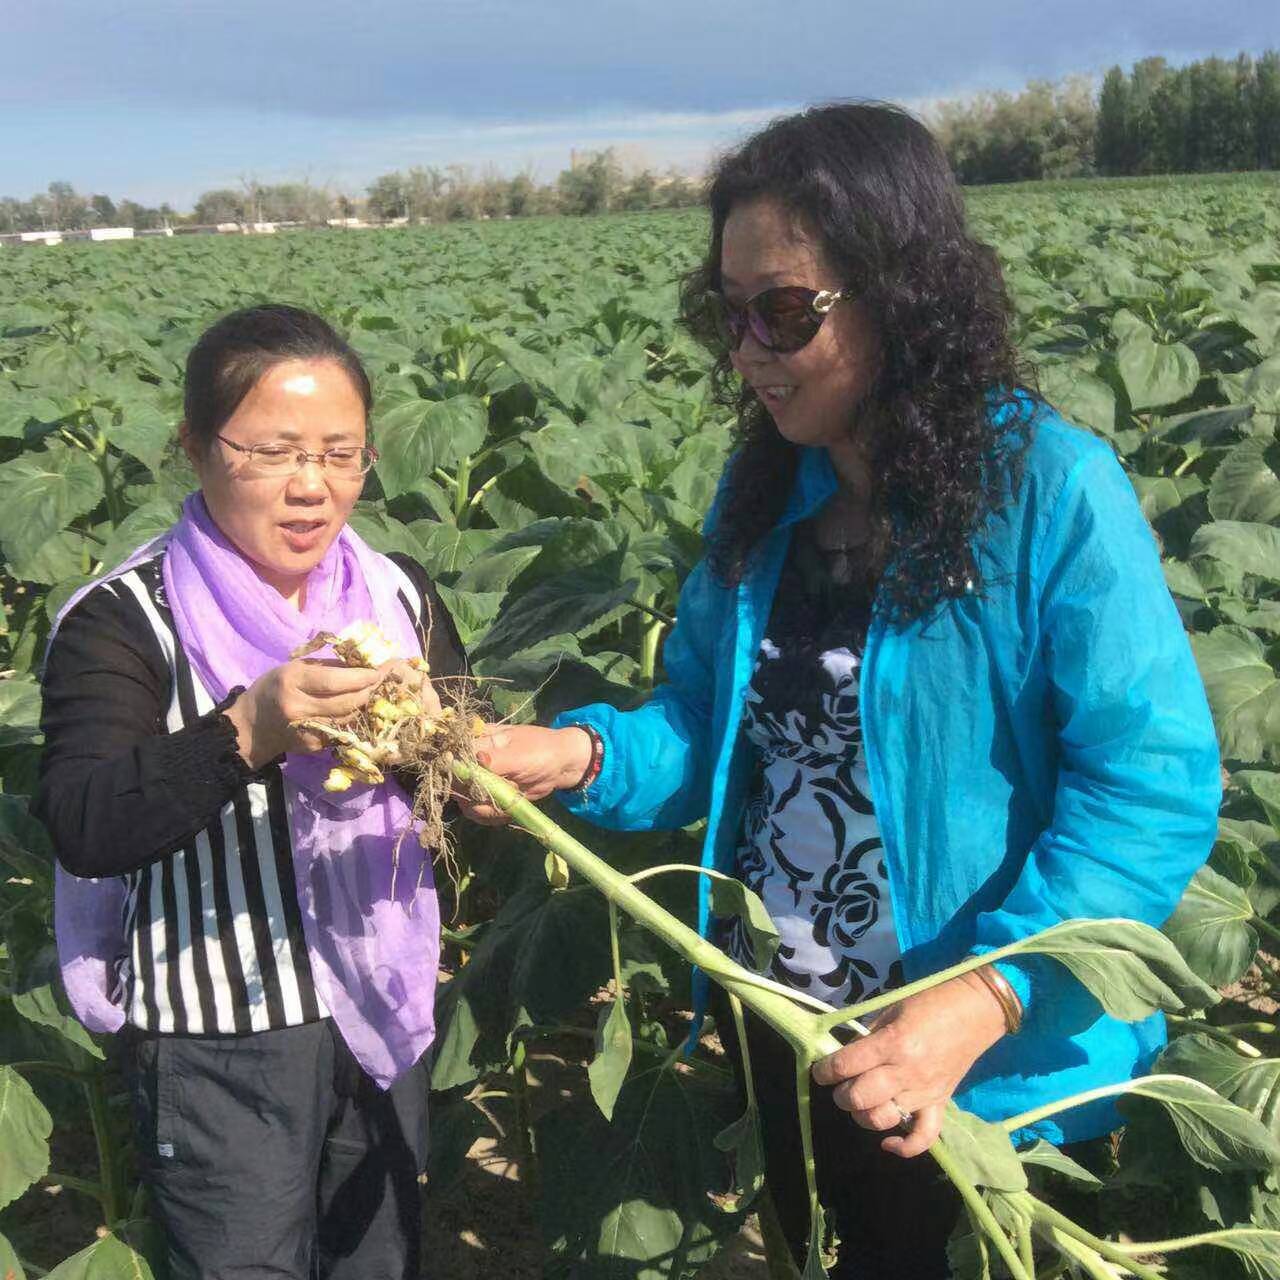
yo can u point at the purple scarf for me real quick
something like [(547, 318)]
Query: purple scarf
[(373, 957)]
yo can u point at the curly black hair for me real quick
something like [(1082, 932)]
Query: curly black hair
[(873, 184)]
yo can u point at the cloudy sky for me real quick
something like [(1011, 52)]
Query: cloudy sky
[(160, 100)]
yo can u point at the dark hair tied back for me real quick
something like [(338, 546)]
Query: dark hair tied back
[(875, 187), (233, 354)]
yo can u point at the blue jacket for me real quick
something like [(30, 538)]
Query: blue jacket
[(1038, 750)]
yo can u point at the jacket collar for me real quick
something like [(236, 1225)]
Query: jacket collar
[(815, 482)]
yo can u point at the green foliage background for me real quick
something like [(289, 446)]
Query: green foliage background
[(548, 451)]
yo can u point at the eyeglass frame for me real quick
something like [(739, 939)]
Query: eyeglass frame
[(303, 455), (820, 304)]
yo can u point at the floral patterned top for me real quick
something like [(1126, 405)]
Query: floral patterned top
[(810, 844)]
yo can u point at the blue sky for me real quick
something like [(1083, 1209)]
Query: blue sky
[(160, 100)]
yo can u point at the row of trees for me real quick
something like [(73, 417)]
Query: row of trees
[(595, 183), (63, 208), (1213, 116)]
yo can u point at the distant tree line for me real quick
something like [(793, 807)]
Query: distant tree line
[(595, 183), (1217, 115), (1213, 116), (63, 208)]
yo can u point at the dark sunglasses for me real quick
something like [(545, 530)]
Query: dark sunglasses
[(780, 319)]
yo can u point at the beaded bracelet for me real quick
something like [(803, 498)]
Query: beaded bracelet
[(596, 762)]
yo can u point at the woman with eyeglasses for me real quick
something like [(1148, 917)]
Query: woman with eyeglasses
[(927, 688), (272, 980)]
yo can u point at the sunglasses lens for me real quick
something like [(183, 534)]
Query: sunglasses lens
[(730, 322), (787, 317)]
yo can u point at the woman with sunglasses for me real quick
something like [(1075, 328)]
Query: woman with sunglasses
[(927, 688), (239, 925)]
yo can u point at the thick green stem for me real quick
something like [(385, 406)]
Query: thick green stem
[(109, 489), (887, 998), (1265, 926), (804, 1117), (1215, 1033), (980, 1212), (615, 950), (462, 494), (112, 1198), (55, 1068), (740, 1025), (524, 1118), (650, 638), (1075, 1100), (755, 979), (798, 1027), (1186, 1242), (1026, 1249), (93, 1190), (1089, 1262), (1063, 1225), (656, 614)]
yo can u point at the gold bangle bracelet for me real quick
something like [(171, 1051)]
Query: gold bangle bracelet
[(1007, 997)]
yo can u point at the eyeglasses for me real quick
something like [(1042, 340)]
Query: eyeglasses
[(285, 459), (782, 319)]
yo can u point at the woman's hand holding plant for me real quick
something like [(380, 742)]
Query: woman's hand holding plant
[(536, 760), (914, 1059), (264, 714)]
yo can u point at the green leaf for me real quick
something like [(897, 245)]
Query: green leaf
[(1243, 693), (24, 411), (19, 711), (575, 603), (1079, 395), (1214, 1132), (1249, 547), (982, 1151), (1251, 1083), (25, 1126), (1210, 927), (541, 956), (1132, 969), (415, 436), (607, 1071), (1259, 386), (732, 899), (1155, 375), (1205, 426), (40, 494), (630, 1198), (1264, 786), (741, 1142), (10, 1267), (1246, 485), (137, 529), (41, 1000), (1258, 1245), (108, 1258), (1045, 1155)]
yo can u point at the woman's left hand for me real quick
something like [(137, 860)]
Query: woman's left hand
[(916, 1055)]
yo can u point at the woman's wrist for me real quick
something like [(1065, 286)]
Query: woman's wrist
[(240, 714), (990, 980), (579, 753)]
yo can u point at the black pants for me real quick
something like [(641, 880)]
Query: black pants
[(893, 1216), (274, 1155)]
